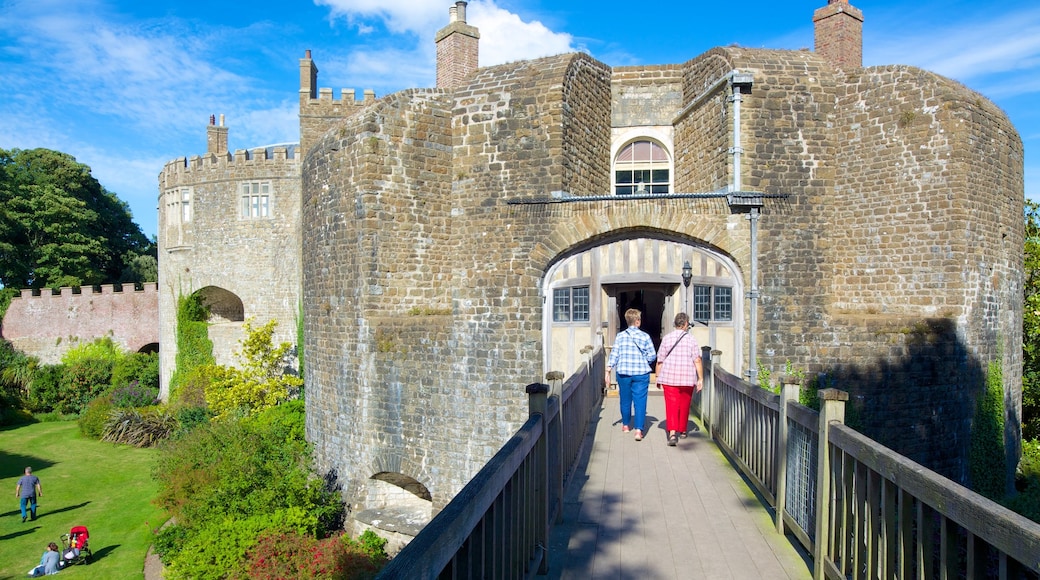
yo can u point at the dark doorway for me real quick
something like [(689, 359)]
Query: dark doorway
[(648, 301)]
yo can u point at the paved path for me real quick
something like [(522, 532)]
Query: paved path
[(643, 510)]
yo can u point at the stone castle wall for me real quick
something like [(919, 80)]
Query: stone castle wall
[(47, 325), (424, 273), (257, 260)]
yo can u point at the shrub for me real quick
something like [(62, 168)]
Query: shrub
[(45, 393), (98, 349), (168, 541), (191, 391), (141, 367), (139, 428), (134, 395), (94, 418), (260, 381), (219, 548), (283, 555), (229, 471), (83, 380), (16, 374), (189, 418)]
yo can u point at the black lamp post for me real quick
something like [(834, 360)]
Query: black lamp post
[(687, 276)]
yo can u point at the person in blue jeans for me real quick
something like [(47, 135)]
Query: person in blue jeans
[(632, 359), (27, 490)]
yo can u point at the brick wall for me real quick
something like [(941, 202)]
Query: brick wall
[(47, 325)]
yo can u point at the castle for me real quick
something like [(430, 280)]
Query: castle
[(447, 246)]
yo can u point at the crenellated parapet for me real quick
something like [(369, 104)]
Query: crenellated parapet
[(245, 163), (47, 323), (65, 292), (319, 109)]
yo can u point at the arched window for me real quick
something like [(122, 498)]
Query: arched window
[(642, 167)]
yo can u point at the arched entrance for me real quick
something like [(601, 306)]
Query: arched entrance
[(587, 293)]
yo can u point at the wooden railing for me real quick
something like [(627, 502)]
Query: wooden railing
[(498, 526), (861, 510)]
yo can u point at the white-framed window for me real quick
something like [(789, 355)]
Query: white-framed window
[(642, 167), (571, 304), (712, 303), (178, 205), (185, 204), (256, 199)]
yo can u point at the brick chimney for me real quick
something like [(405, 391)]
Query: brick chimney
[(839, 34), (456, 49), (216, 136)]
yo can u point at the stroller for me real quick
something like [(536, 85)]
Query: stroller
[(76, 548)]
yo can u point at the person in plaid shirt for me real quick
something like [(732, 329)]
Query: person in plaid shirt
[(679, 371), (631, 357)]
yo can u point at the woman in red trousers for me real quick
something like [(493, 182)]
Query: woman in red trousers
[(679, 372)]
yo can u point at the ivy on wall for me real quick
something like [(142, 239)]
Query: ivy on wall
[(194, 348), (987, 461)]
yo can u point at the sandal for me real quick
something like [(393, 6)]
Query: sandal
[(672, 440)]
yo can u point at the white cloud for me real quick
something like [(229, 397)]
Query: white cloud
[(400, 16), (505, 37)]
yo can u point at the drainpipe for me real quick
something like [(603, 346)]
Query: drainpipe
[(739, 83)]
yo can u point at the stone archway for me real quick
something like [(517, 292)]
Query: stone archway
[(397, 508), (645, 273)]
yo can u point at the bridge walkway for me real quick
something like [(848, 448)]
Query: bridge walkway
[(643, 510)]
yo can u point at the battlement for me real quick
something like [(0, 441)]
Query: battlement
[(259, 156), (69, 291), (347, 97)]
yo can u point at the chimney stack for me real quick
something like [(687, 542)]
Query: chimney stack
[(457, 48), (216, 136), (838, 29)]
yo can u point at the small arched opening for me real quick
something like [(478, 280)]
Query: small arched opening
[(397, 508)]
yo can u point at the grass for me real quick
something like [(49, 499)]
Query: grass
[(106, 487)]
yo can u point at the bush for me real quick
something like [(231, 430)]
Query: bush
[(168, 541), (292, 556), (241, 473), (139, 428), (94, 418), (219, 549), (45, 394), (191, 392), (82, 381), (189, 418), (134, 395), (141, 367), (260, 381)]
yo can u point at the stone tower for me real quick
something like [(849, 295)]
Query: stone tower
[(839, 34), (457, 49)]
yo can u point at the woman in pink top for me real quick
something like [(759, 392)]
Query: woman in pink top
[(679, 372)]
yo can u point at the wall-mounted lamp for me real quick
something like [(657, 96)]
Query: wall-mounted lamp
[(687, 273)]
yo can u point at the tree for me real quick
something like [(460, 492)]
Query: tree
[(1031, 324), (60, 227)]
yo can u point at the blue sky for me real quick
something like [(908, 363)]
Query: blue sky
[(126, 85)]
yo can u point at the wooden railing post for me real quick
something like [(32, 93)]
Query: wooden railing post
[(832, 410), (537, 405), (789, 393), (706, 362)]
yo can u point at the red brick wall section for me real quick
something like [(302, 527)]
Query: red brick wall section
[(48, 325)]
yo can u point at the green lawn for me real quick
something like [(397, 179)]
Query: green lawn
[(106, 487)]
